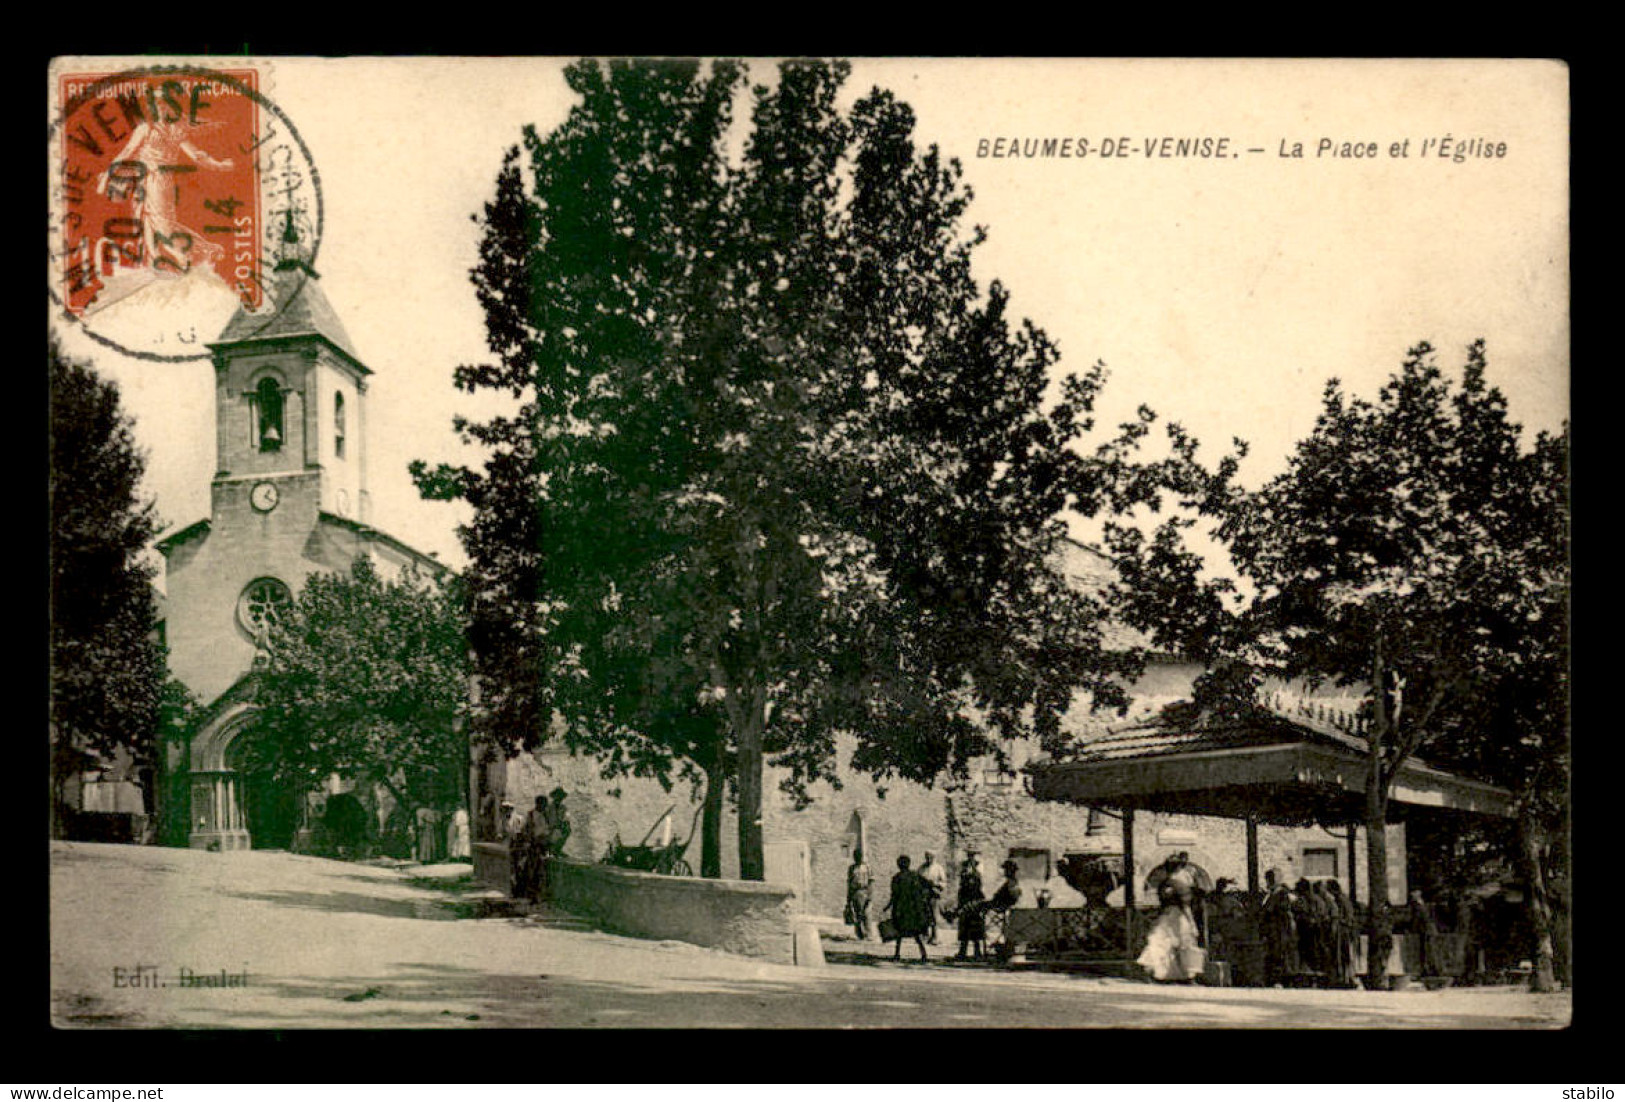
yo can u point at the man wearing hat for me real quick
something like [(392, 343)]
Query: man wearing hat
[(969, 906), (1009, 893)]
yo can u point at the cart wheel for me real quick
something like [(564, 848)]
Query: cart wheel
[(679, 867)]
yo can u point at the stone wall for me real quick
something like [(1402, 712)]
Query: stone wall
[(491, 866), (906, 818), (737, 916)]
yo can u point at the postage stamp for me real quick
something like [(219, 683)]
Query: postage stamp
[(174, 188)]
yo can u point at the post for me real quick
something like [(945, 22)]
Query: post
[(1128, 881), (1354, 849), (1252, 854)]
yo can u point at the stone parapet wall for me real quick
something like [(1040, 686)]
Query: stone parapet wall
[(737, 916), (491, 868)]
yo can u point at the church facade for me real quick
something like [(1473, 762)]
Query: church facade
[(289, 498)]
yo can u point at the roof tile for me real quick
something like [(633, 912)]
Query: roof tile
[(294, 306)]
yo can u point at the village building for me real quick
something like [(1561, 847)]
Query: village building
[(994, 811)]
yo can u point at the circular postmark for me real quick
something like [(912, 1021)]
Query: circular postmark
[(182, 201)]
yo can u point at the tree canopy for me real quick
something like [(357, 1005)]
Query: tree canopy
[(779, 468), (107, 666), (365, 678), (1414, 546)]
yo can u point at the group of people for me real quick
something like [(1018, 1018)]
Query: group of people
[(916, 902), (348, 828), (1308, 928), (533, 840)]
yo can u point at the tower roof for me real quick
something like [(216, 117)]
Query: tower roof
[(294, 306)]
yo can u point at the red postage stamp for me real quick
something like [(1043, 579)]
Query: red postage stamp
[(158, 181), (174, 190)]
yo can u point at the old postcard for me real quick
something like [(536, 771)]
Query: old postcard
[(743, 542)]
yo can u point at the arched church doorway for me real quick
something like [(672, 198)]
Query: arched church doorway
[(271, 808), (273, 813)]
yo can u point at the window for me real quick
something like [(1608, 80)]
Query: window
[(1032, 863), (338, 424), (262, 604), (267, 415), (1320, 863), (1097, 822)]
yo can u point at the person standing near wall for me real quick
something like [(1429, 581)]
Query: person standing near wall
[(489, 821), (558, 833), (538, 843), (972, 922), (513, 832), (1425, 929), (1280, 928), (935, 879), (859, 889), (457, 840), (907, 907), (1348, 934)]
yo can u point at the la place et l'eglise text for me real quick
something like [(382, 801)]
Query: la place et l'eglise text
[(1152, 147)]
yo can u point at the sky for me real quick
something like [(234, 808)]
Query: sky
[(1221, 291)]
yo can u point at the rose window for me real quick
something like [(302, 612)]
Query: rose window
[(262, 604)]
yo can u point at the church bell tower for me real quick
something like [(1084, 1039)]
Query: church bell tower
[(288, 499), (290, 400)]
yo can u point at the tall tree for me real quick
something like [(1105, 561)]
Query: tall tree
[(1515, 730), (794, 473), (107, 666), (366, 678), (1412, 546)]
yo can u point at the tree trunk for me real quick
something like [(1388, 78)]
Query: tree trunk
[(59, 826), (716, 784), (1531, 839), (752, 864), (153, 798), (1378, 927), (1558, 878)]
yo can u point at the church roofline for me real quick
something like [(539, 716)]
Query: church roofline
[(379, 535), (288, 340), (194, 529), (240, 691)]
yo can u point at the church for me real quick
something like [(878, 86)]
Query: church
[(288, 499)]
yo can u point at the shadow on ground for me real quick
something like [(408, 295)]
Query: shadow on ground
[(419, 995), (356, 903)]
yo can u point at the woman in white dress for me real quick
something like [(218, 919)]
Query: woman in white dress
[(1175, 928), (457, 840)]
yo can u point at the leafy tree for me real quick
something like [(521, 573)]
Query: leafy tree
[(1412, 546), (366, 678), (1515, 730), (107, 667), (789, 471)]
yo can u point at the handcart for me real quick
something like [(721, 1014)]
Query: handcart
[(667, 860)]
